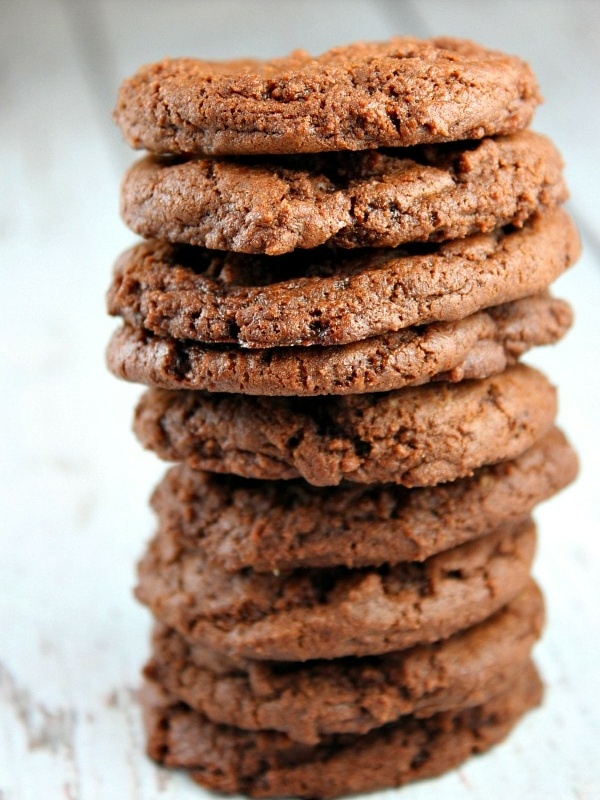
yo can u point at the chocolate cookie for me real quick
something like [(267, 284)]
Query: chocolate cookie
[(416, 436), (351, 695), (475, 347), (269, 764), (273, 525), (324, 297), (368, 199), (362, 96), (330, 613)]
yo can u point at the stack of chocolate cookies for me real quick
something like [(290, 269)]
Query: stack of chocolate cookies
[(346, 256)]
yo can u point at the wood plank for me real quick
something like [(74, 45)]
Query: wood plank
[(71, 637)]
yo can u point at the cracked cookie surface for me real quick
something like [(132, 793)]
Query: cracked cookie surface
[(416, 436), (478, 346), (332, 297), (277, 525), (311, 699), (330, 613), (269, 764), (362, 96), (368, 199)]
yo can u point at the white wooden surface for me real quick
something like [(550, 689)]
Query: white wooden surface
[(73, 481)]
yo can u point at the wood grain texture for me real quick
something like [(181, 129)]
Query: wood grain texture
[(74, 483)]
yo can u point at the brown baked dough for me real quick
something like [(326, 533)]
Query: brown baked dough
[(269, 764), (312, 699), (330, 613), (475, 347), (279, 525), (322, 297), (391, 94), (416, 436), (368, 199)]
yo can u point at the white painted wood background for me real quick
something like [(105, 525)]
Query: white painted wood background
[(74, 483)]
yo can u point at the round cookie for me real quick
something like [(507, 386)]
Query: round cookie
[(366, 95), (416, 436), (330, 613), (368, 199), (269, 764), (274, 525), (353, 695), (475, 347), (332, 297)]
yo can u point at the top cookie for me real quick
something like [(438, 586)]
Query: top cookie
[(391, 94)]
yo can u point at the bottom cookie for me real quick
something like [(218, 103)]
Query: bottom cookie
[(269, 764)]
